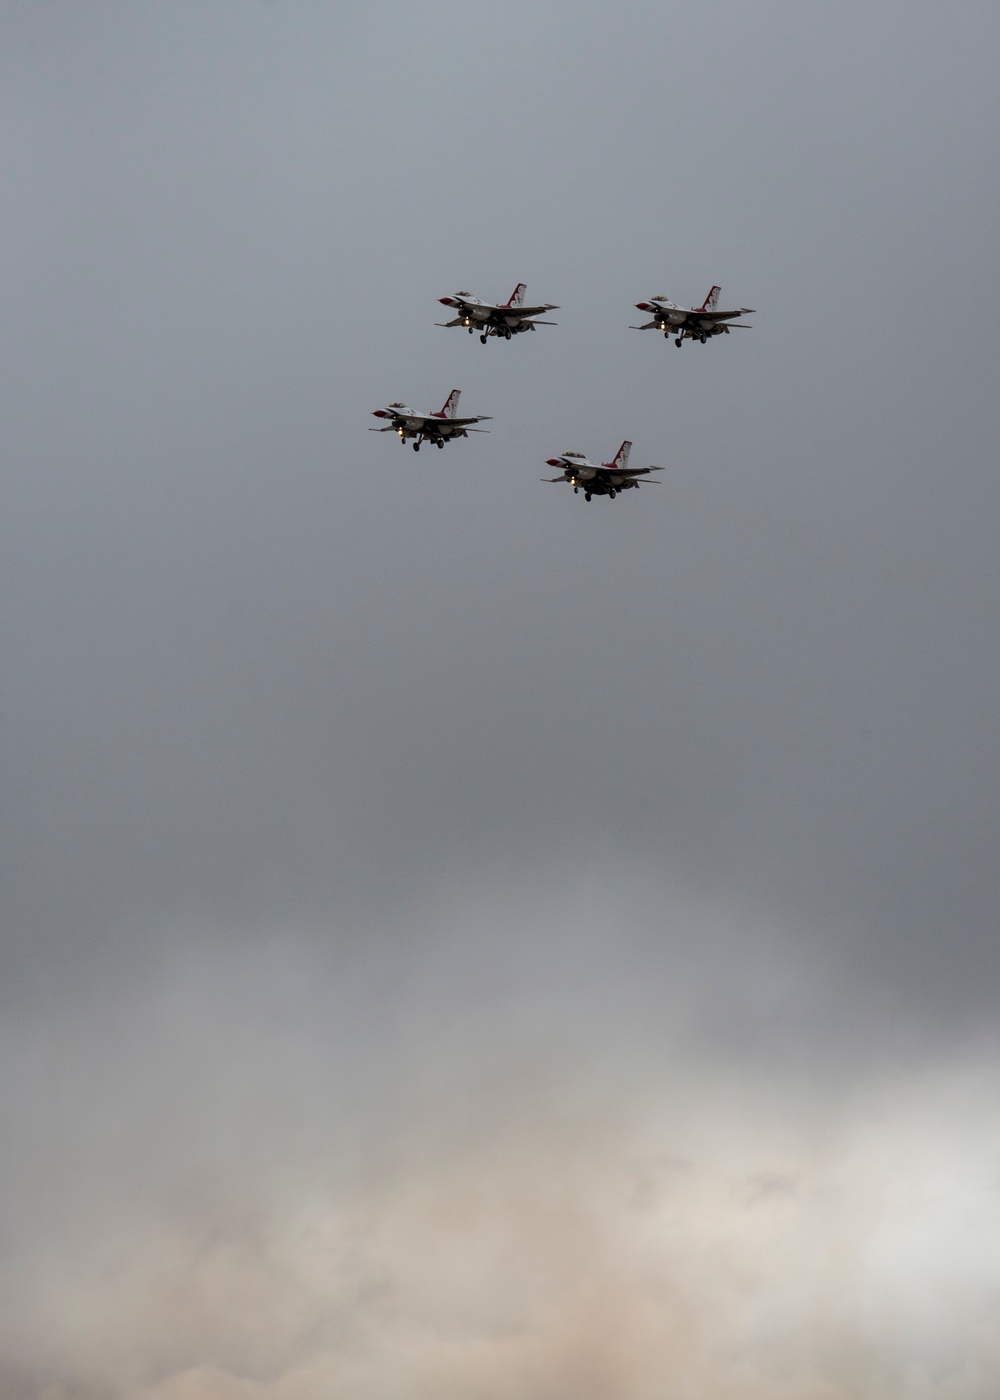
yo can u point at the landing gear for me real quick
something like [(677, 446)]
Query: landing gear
[(612, 494), (506, 334), (666, 335), (470, 330), (482, 339), (678, 342), (440, 442), (587, 496), (416, 447), (576, 490), (703, 339)]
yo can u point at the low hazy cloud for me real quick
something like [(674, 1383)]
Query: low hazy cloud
[(505, 1149)]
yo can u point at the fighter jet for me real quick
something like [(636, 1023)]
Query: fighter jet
[(509, 319), (697, 324), (605, 480), (437, 427)]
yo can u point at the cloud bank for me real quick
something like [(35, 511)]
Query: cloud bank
[(469, 1159)]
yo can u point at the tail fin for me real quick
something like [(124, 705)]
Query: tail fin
[(450, 404), (517, 295), (620, 459), (711, 301)]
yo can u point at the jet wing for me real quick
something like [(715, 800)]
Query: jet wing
[(721, 315), (524, 311), (459, 422)]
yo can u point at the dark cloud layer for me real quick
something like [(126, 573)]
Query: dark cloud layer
[(534, 796)]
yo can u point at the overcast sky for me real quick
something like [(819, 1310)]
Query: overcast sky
[(461, 943)]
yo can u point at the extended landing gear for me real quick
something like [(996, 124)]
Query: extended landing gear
[(470, 330), (576, 490), (440, 442), (678, 342), (612, 494), (416, 447), (587, 496), (506, 334), (703, 339)]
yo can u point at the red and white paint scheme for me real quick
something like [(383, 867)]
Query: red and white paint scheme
[(600, 479), (506, 319), (438, 427), (698, 323)]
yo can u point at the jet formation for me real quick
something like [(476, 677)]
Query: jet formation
[(503, 320)]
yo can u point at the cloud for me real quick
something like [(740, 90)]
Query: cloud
[(257, 1169)]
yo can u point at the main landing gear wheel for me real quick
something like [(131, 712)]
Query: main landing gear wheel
[(416, 447), (441, 443), (612, 494), (678, 342), (482, 340), (703, 339), (587, 497), (506, 334)]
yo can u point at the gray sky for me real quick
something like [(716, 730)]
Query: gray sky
[(455, 939)]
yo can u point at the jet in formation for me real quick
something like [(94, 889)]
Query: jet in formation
[(510, 318), (438, 427), (604, 479), (698, 323)]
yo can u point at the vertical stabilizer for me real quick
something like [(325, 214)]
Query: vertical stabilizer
[(517, 295), (712, 300), (450, 404), (620, 459)]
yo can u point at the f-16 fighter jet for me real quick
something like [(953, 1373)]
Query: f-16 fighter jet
[(509, 319), (437, 427), (605, 480), (697, 324)]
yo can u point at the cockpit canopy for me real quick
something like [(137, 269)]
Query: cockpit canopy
[(574, 454)]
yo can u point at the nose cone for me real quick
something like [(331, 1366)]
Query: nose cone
[(553, 462), (447, 301), (379, 413), (643, 306)]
